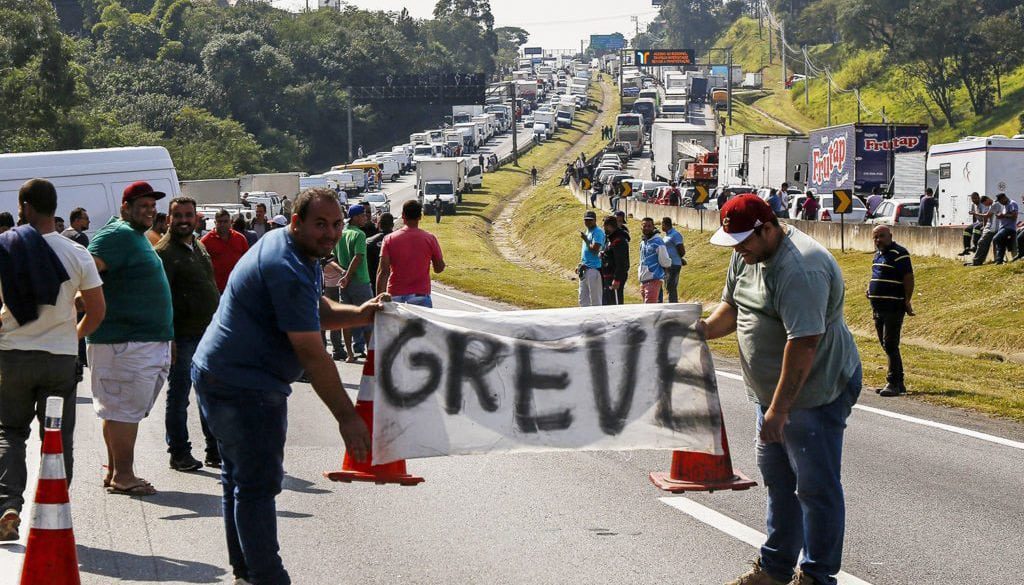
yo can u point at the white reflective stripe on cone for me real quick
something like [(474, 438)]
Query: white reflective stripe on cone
[(365, 389), (51, 516), (52, 467)]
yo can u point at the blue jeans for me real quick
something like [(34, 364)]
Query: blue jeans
[(418, 300), (806, 507), (179, 383), (671, 284), (1004, 240), (250, 426)]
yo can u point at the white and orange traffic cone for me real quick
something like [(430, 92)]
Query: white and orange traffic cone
[(352, 470), (700, 472), (50, 557)]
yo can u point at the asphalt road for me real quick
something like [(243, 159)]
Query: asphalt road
[(925, 506)]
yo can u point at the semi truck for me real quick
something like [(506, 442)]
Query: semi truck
[(777, 160), (860, 157), (986, 165), (677, 143), (629, 129), (212, 190), (733, 161)]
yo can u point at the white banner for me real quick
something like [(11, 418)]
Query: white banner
[(619, 378)]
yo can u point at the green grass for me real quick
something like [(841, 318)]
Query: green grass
[(881, 85)]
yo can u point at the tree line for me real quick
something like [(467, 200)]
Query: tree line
[(946, 45), (228, 90)]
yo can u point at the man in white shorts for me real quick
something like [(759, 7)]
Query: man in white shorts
[(39, 336), (130, 354)]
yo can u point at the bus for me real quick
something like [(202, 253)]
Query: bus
[(629, 128)]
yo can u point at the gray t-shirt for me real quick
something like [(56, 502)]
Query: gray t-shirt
[(798, 292), (1008, 222)]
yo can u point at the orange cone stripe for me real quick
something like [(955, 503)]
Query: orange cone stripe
[(51, 517), (52, 491), (52, 443)]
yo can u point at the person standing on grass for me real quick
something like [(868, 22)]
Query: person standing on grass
[(676, 252), (406, 257), (39, 336), (614, 262), (130, 353), (589, 270), (195, 293), (654, 259), (533, 175), (264, 335), (891, 292), (784, 297)]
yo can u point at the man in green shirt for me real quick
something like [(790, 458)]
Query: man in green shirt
[(355, 284), (783, 298), (130, 353)]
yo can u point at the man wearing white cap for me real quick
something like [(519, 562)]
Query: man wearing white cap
[(784, 299)]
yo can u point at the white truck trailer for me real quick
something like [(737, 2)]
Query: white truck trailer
[(465, 113), (988, 166), (733, 163), (208, 191), (441, 178), (284, 184), (773, 161), (546, 117), (673, 144)]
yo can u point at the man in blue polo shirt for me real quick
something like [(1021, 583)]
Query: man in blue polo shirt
[(264, 335), (890, 291), (589, 270)]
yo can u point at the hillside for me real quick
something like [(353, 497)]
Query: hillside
[(881, 86)]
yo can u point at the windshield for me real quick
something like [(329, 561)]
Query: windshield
[(374, 198), (438, 189), (424, 150)]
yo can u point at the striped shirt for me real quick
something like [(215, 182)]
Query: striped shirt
[(887, 271)]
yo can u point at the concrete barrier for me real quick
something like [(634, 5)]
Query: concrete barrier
[(944, 242)]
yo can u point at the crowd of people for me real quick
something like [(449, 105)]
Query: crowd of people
[(240, 314)]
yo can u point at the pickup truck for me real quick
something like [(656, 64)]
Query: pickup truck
[(443, 191)]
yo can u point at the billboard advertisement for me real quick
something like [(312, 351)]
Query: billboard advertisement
[(659, 57), (860, 157), (533, 51), (612, 42)]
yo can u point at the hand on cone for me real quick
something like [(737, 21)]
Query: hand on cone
[(356, 437)]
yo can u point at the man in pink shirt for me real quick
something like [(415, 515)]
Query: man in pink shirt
[(406, 257)]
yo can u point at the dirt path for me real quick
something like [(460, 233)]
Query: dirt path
[(502, 232)]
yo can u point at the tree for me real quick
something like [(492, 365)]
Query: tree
[(510, 38), (870, 23), (1004, 45), (928, 55), (690, 24)]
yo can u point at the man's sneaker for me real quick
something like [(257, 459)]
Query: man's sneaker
[(339, 356), (802, 578), (212, 460), (891, 390), (185, 462), (756, 576), (9, 523)]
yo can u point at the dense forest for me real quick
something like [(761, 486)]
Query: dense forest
[(945, 47), (228, 90)]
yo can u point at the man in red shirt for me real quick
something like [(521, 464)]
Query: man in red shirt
[(226, 247), (406, 257)]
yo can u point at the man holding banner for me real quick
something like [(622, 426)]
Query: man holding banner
[(784, 297), (246, 362)]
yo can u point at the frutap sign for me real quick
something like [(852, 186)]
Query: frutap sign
[(620, 377), (827, 159)]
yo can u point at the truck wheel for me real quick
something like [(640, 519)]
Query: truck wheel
[(394, 178)]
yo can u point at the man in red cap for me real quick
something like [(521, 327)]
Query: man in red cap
[(130, 354), (784, 299)]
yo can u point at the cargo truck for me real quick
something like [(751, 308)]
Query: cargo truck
[(988, 166), (546, 117), (284, 184), (465, 113), (860, 157), (442, 169), (733, 159), (629, 129), (676, 143), (212, 190), (470, 141), (777, 160)]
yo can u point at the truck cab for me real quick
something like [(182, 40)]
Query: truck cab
[(439, 193)]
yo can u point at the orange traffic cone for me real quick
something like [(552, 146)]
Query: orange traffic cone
[(700, 472), (50, 556), (352, 470)]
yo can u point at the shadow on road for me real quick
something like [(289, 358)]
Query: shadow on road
[(302, 486), (208, 505), (131, 567)]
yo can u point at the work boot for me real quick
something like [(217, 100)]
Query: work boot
[(891, 390), (802, 578), (9, 523), (756, 576), (185, 462), (213, 459)]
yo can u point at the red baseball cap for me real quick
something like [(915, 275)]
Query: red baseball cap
[(140, 189), (740, 217)]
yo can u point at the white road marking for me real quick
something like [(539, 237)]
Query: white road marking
[(735, 529), (895, 415)]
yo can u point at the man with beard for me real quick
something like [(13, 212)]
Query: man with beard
[(130, 354), (891, 291), (194, 294)]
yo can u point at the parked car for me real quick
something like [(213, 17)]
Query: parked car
[(896, 211), (856, 214)]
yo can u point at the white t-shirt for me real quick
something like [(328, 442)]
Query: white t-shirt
[(55, 331)]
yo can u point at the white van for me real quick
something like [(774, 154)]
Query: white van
[(91, 179)]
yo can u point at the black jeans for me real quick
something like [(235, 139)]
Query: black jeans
[(888, 325), (612, 295), (27, 379)]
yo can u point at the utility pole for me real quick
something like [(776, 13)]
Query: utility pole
[(350, 124), (807, 79), (771, 49), (728, 77), (760, 20), (829, 80), (782, 49), (856, 94), (515, 127)]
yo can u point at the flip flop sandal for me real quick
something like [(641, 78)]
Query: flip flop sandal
[(106, 481), (140, 489)]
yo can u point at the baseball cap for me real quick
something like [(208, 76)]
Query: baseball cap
[(140, 189), (356, 210), (590, 215), (740, 217), (280, 220)]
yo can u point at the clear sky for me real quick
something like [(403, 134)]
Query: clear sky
[(553, 24)]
